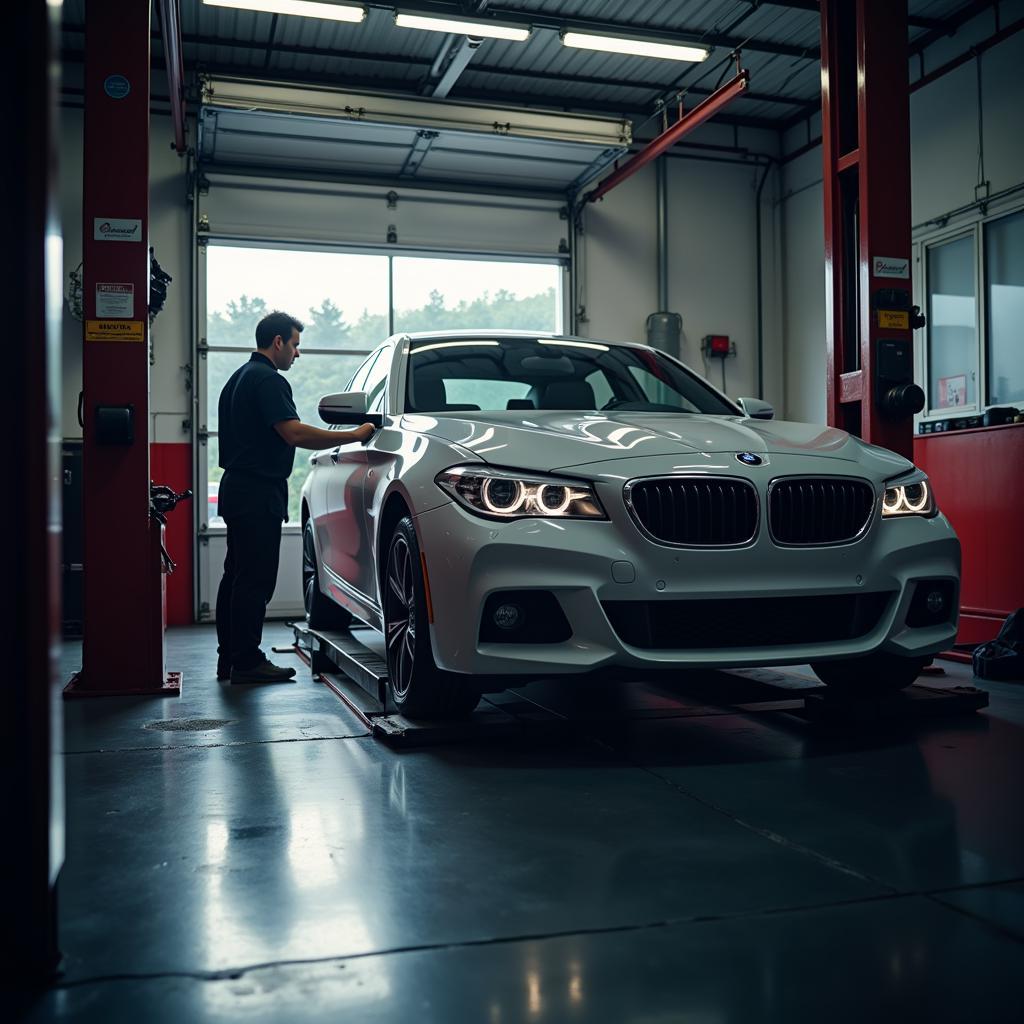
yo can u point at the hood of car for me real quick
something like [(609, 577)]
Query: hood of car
[(551, 440)]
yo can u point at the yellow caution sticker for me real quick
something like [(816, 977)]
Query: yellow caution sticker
[(114, 330), (894, 319)]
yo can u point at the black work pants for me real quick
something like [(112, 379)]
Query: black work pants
[(250, 574)]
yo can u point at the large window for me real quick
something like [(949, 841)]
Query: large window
[(451, 294), (342, 299), (974, 288), (1004, 323), (349, 303), (952, 314)]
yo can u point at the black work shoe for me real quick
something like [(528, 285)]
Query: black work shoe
[(264, 672), (223, 670)]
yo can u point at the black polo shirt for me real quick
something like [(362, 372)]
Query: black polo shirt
[(255, 458)]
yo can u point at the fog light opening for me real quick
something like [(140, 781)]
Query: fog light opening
[(933, 603), (509, 616)]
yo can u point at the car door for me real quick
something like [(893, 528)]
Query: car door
[(332, 521), (345, 543)]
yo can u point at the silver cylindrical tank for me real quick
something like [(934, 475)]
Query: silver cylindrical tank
[(664, 331)]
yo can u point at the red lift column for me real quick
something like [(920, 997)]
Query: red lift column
[(123, 615), (866, 142)]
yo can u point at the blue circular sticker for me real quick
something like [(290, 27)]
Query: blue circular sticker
[(116, 86)]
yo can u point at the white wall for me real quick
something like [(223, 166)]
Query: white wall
[(711, 261), (944, 165), (803, 304)]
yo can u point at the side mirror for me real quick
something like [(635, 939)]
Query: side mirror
[(755, 409), (348, 408)]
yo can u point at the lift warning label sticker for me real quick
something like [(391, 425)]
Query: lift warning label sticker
[(113, 330), (115, 301), (894, 319)]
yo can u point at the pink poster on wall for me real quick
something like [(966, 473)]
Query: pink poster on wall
[(952, 391)]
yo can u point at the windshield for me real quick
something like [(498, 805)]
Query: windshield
[(551, 373)]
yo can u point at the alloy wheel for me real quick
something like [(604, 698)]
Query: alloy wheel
[(400, 617), (309, 570)]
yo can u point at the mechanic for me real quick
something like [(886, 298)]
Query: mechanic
[(259, 431)]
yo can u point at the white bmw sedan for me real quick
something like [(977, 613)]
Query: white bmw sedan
[(535, 505)]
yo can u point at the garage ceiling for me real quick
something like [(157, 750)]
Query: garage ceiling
[(779, 41), (779, 38)]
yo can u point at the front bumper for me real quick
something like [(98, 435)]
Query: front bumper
[(470, 558)]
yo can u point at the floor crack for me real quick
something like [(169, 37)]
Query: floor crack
[(234, 973)]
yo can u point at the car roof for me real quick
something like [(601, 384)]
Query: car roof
[(484, 334)]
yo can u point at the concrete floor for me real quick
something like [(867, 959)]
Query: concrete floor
[(252, 852)]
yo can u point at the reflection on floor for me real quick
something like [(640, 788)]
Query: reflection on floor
[(252, 852)]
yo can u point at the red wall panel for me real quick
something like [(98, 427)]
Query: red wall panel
[(171, 464), (978, 478)]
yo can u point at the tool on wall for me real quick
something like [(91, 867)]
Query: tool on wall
[(164, 499)]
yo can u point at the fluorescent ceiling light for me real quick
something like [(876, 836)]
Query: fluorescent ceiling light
[(302, 8), (635, 47), (458, 26)]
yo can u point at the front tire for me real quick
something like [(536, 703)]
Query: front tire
[(871, 675), (418, 687), (321, 611)]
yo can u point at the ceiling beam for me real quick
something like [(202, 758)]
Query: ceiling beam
[(954, 22), (813, 5)]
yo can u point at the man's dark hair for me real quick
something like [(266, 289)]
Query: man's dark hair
[(274, 324)]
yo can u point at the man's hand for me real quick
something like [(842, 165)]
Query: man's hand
[(362, 433), (302, 435)]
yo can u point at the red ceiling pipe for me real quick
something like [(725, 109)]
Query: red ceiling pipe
[(686, 124), (170, 30)]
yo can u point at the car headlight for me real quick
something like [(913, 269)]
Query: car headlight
[(508, 494), (912, 497)]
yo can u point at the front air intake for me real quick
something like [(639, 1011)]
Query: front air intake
[(812, 511), (695, 511)]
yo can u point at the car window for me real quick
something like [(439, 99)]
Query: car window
[(376, 380), (598, 381), (495, 374), (656, 390), (485, 394), (359, 377)]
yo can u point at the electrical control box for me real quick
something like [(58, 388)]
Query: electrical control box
[(718, 346)]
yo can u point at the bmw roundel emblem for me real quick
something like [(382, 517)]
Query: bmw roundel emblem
[(750, 459)]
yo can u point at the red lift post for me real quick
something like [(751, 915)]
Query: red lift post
[(123, 615), (865, 101)]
